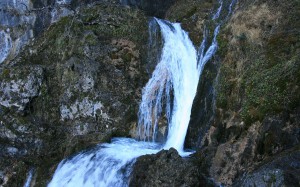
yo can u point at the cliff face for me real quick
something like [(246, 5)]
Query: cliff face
[(245, 118), (78, 83), (254, 121)]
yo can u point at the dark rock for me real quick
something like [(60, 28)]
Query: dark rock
[(203, 110), (166, 168), (279, 133), (257, 106), (283, 170), (155, 8), (76, 85), (155, 45)]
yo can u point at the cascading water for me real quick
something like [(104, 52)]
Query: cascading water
[(177, 73), (29, 178), (109, 164), (5, 45), (217, 14)]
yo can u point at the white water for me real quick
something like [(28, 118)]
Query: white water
[(217, 14), (230, 8), (177, 73), (110, 164), (106, 165), (29, 178), (5, 45)]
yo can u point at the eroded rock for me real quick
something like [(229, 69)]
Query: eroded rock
[(16, 92)]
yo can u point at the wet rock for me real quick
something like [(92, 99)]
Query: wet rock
[(203, 110), (17, 24), (166, 168), (5, 44)]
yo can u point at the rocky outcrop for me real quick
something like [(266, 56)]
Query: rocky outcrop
[(76, 85), (167, 168), (22, 21), (16, 92), (283, 170), (79, 84), (255, 121)]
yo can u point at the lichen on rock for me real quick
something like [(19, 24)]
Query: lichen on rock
[(76, 85), (17, 92)]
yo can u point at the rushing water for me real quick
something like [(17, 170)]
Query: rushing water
[(177, 72), (5, 45), (29, 178), (106, 165), (109, 164), (169, 93), (217, 14)]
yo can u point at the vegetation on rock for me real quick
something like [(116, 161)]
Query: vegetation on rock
[(79, 83)]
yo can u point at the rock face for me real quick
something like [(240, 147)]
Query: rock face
[(23, 20), (72, 72), (155, 8), (281, 171), (254, 121), (17, 92), (76, 85)]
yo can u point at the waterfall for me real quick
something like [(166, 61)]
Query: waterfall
[(5, 45), (29, 178), (168, 94), (109, 164), (217, 14), (177, 72)]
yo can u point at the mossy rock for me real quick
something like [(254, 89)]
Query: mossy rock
[(89, 27), (18, 175), (260, 77), (271, 90)]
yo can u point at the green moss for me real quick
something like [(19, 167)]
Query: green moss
[(225, 87), (5, 73), (189, 13), (259, 78), (270, 90), (185, 9), (127, 57), (282, 46), (91, 26), (263, 88), (222, 44), (19, 175), (117, 22), (91, 39)]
